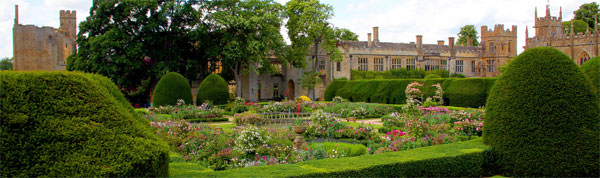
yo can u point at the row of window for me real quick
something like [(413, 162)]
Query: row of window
[(431, 64)]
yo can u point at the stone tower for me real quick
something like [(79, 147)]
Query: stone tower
[(68, 23), (498, 47), (548, 27), (44, 48)]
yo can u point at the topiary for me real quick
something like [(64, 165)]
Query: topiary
[(432, 76), (213, 88), (171, 87), (591, 69), (542, 117), (72, 124)]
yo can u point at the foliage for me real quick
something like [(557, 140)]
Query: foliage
[(6, 63), (73, 124), (250, 139), (591, 69), (247, 34), (380, 91), (343, 34), (337, 99), (587, 13), (457, 75), (213, 88), (358, 110), (432, 76), (450, 160), (469, 92), (171, 87), (308, 29), (303, 99), (342, 149), (249, 118), (466, 32), (579, 26), (310, 79), (397, 74), (546, 100), (162, 37)]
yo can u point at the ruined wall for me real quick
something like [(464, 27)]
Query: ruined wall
[(44, 48)]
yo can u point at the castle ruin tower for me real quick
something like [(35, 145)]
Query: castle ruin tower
[(548, 27), (68, 23)]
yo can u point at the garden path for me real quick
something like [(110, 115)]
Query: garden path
[(371, 121)]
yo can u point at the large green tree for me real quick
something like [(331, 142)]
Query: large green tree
[(247, 34), (6, 63), (135, 42), (308, 26), (464, 34), (344, 34), (579, 26), (588, 12)]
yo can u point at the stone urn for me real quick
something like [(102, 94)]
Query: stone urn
[(299, 142)]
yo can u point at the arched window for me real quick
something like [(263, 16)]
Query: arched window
[(583, 57)]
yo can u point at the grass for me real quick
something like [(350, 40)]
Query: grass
[(356, 124)]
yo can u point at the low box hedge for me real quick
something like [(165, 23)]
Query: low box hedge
[(461, 92), (462, 159)]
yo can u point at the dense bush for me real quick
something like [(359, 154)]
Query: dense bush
[(591, 69), (347, 149), (60, 124), (171, 87), (432, 76), (543, 119), (396, 74), (213, 88), (470, 92), (464, 159)]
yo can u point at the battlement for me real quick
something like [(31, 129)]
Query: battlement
[(548, 19), (68, 13), (498, 30)]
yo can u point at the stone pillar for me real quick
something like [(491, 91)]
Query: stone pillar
[(370, 44), (376, 35)]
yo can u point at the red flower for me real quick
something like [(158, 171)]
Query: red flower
[(331, 125), (305, 149)]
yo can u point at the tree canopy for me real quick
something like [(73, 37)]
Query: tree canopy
[(6, 63), (464, 34), (587, 13), (579, 26)]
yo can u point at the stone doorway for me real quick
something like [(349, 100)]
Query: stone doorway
[(291, 90)]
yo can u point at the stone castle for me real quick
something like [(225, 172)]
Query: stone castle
[(549, 31), (44, 48), (497, 47)]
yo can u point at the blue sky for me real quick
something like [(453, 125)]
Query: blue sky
[(398, 20)]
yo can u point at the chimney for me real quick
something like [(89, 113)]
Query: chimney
[(16, 14), (370, 42), (548, 10), (419, 41), (376, 35), (451, 45), (526, 35), (560, 15), (440, 42), (469, 41)]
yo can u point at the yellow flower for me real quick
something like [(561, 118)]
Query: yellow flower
[(304, 98)]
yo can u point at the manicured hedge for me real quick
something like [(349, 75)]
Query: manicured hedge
[(463, 159), (542, 118), (213, 88), (171, 87), (591, 69), (69, 124), (396, 74), (471, 92)]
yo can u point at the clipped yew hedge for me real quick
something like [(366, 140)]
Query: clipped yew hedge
[(213, 88), (462, 159), (542, 118), (470, 92), (69, 124), (591, 69), (171, 87)]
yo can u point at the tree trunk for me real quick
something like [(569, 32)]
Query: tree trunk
[(238, 79), (311, 91)]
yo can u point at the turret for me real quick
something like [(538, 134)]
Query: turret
[(68, 23), (16, 14)]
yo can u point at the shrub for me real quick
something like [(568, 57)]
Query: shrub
[(213, 88), (458, 75), (591, 69), (432, 76), (73, 124), (332, 89), (171, 87), (542, 117), (346, 149), (470, 92)]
